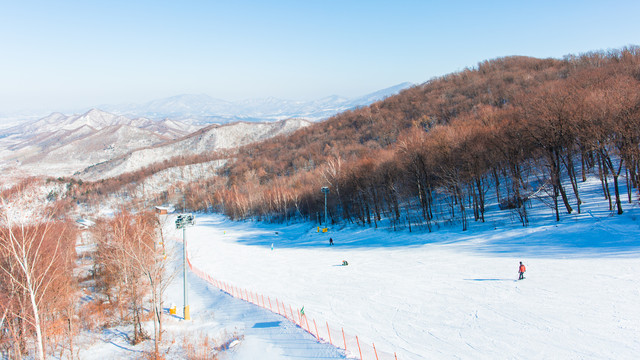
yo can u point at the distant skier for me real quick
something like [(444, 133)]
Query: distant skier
[(330, 241), (521, 271)]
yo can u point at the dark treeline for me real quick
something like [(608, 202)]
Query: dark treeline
[(447, 143)]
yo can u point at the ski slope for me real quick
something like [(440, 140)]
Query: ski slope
[(247, 331), (447, 294)]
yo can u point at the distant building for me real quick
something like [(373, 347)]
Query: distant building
[(161, 210)]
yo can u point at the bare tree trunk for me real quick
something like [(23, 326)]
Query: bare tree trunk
[(36, 320), (574, 181), (615, 175), (497, 182)]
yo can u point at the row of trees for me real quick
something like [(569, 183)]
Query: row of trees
[(37, 286), (516, 126), (519, 127), (131, 272), (42, 275)]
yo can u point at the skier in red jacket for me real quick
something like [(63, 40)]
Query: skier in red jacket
[(521, 270)]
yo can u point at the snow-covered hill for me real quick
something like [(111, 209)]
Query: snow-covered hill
[(59, 145), (205, 109), (104, 144), (211, 138), (99, 146), (126, 137), (97, 120)]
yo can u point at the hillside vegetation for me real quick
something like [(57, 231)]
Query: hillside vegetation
[(519, 127)]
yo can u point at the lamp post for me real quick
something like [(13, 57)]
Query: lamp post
[(325, 190), (182, 221)]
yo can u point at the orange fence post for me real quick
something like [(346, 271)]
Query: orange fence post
[(254, 298), (307, 321)]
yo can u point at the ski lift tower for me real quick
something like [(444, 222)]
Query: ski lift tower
[(182, 221), (325, 190)]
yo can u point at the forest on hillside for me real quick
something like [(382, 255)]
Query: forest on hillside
[(513, 126), (509, 130)]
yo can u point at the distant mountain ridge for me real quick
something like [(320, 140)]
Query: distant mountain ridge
[(98, 143), (203, 109), (104, 144), (97, 120), (213, 137)]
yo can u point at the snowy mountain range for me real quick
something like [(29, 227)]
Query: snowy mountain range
[(95, 119), (99, 144), (211, 138), (102, 143), (203, 109)]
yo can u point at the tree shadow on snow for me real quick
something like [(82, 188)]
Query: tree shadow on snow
[(609, 236)]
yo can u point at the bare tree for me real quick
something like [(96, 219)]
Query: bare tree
[(132, 255), (35, 256)]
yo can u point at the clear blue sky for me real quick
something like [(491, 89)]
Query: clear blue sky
[(70, 54)]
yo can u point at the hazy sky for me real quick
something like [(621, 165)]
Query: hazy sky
[(58, 55)]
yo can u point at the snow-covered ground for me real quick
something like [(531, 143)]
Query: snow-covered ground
[(247, 331), (449, 294), (440, 295)]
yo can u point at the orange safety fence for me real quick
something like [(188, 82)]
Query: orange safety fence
[(322, 331)]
